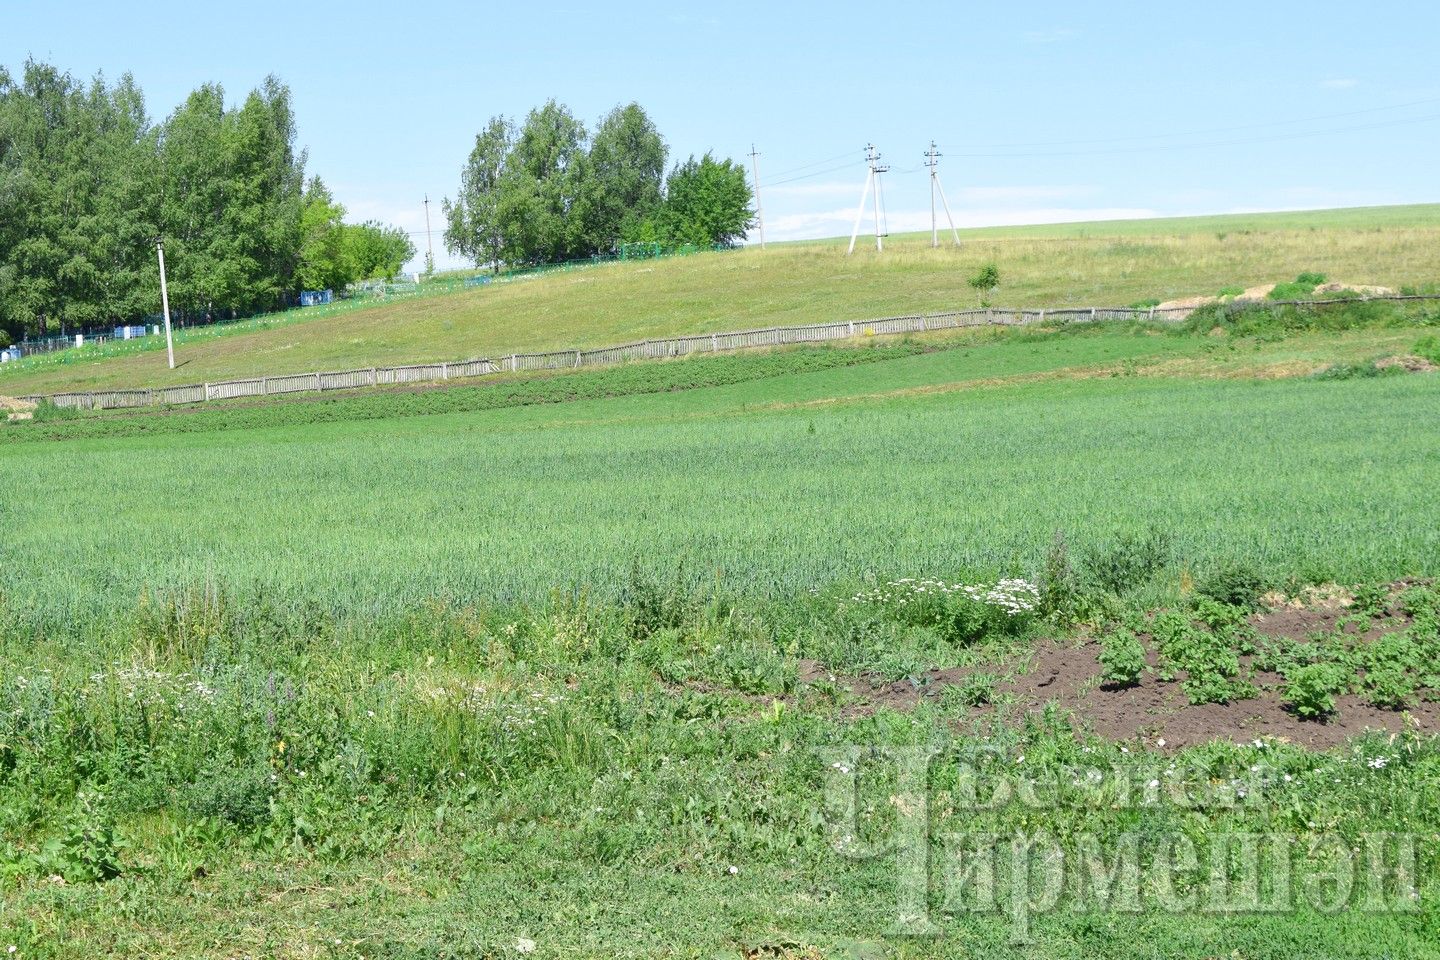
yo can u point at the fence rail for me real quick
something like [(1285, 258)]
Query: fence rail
[(642, 350)]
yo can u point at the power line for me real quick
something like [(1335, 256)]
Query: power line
[(817, 173), (818, 163)]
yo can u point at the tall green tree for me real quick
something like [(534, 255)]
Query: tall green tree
[(202, 259), (707, 201), (376, 250), (325, 260), (626, 176), (473, 227), (542, 203)]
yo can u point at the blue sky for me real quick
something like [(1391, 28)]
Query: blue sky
[(1044, 111)]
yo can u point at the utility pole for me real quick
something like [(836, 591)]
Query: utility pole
[(429, 243), (165, 302), (932, 160), (872, 161), (759, 207)]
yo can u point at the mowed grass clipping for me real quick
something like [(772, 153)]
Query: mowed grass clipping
[(1104, 264), (767, 487)]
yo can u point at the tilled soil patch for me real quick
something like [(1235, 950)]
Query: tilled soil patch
[(1154, 711)]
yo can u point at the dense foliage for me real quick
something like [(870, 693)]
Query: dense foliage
[(546, 191), (88, 183)]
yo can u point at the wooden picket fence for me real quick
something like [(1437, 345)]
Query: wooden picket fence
[(607, 356)]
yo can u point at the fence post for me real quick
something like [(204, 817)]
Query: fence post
[(265, 386), (714, 343), (513, 365), (319, 385), (1092, 313), (207, 390), (444, 371), (1152, 313), (852, 328), (577, 358), (374, 378)]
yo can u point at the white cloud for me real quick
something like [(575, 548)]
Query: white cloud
[(1340, 83)]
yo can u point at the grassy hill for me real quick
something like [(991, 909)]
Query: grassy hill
[(1109, 263)]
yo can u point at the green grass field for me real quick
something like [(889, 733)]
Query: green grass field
[(560, 665), (1095, 264)]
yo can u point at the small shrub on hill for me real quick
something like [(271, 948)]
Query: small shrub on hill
[(985, 281), (1301, 288)]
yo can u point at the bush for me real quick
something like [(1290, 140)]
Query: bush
[(1132, 560), (1301, 288), (236, 795), (1429, 348), (1122, 658), (47, 410), (1389, 687), (986, 280), (1236, 583), (1059, 591), (1312, 689), (1208, 658), (1347, 371), (1275, 319)]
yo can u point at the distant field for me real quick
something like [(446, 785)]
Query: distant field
[(1108, 263)]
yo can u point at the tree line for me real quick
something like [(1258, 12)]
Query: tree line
[(547, 189), (89, 183)]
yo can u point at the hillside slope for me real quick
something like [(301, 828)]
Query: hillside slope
[(1113, 263)]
